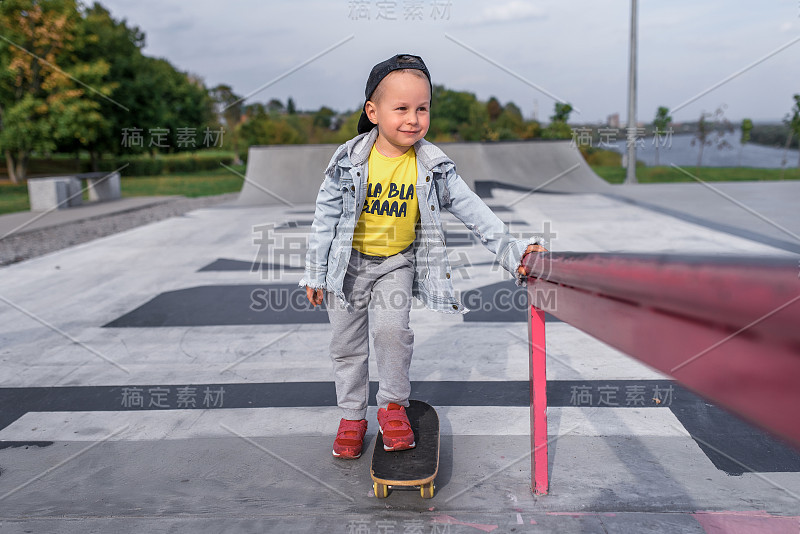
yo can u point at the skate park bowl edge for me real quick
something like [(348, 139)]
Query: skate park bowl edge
[(289, 174)]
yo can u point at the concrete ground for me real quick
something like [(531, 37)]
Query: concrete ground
[(155, 381), (758, 211)]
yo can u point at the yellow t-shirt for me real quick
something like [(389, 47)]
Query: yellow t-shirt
[(388, 220)]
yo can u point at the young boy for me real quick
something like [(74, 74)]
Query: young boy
[(378, 241)]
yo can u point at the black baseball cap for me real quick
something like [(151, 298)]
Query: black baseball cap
[(379, 72)]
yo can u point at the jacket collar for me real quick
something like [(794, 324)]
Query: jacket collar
[(359, 147)]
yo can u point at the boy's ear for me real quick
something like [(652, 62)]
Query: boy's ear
[(372, 112)]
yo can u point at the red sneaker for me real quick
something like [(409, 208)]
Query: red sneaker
[(349, 439), (396, 430)]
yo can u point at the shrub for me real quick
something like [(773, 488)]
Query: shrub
[(143, 165)]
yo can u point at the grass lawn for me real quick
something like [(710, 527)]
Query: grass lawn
[(651, 175), (13, 197), (199, 184)]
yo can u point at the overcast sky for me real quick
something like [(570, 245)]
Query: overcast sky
[(575, 50)]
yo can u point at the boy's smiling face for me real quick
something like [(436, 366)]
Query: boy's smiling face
[(401, 110)]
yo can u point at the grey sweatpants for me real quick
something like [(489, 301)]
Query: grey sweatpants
[(379, 289)]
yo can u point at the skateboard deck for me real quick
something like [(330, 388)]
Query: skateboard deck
[(412, 467)]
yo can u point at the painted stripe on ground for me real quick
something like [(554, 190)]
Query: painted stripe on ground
[(323, 421)]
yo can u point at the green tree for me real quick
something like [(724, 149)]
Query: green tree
[(509, 124), (476, 128), (660, 124), (290, 106), (230, 107), (41, 103), (455, 115), (276, 106), (711, 130), (262, 129), (100, 37), (747, 128), (323, 117), (558, 127), (149, 93), (494, 108), (251, 110), (792, 120), (177, 102), (348, 128), (531, 130), (562, 111)]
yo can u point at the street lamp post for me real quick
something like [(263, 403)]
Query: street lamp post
[(630, 175)]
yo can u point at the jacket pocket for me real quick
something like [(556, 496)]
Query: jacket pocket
[(348, 190)]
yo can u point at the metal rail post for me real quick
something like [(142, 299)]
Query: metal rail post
[(538, 385)]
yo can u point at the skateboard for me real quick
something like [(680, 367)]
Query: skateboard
[(415, 467)]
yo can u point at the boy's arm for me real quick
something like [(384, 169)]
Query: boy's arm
[(470, 209), (326, 217)]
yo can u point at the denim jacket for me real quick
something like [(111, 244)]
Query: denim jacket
[(340, 201)]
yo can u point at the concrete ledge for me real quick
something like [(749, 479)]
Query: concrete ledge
[(27, 221), (60, 192), (54, 193), (105, 187)]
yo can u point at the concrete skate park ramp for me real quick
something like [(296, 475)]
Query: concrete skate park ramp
[(289, 174)]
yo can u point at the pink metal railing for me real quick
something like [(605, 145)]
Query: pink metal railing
[(726, 327)]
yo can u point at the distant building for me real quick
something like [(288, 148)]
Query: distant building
[(613, 120)]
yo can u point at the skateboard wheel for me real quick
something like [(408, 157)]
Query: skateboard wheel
[(426, 491), (381, 490)]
